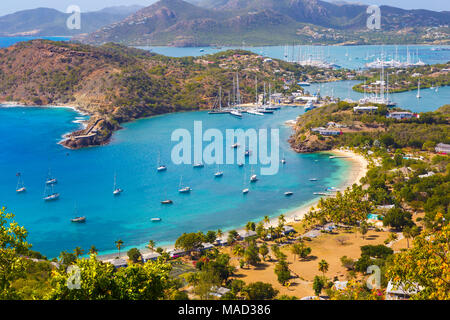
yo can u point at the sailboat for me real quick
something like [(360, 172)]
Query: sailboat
[(199, 165), (50, 196), (418, 91), (283, 160), (78, 219), (219, 173), (116, 190), (183, 189), (50, 179), (160, 166), (245, 190), (20, 185), (254, 177), (168, 201)]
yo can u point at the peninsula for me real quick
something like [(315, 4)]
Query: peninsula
[(114, 84)]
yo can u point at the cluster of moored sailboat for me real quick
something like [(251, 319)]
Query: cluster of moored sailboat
[(235, 108)]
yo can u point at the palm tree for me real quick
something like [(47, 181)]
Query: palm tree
[(323, 266), (119, 244), (266, 220), (219, 233), (271, 232), (151, 245), (281, 220), (93, 250), (238, 250), (407, 233), (78, 252)]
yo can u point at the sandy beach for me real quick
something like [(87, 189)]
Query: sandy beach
[(359, 167)]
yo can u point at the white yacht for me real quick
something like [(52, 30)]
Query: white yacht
[(160, 166), (255, 112), (183, 189), (50, 195), (20, 184), (116, 190), (418, 91), (236, 113)]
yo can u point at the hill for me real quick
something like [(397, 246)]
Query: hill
[(115, 84), (268, 22), (51, 22)]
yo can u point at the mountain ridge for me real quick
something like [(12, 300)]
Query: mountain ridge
[(51, 22), (231, 22)]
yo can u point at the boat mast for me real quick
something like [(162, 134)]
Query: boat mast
[(220, 98), (256, 87)]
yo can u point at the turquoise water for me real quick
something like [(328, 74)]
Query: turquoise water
[(9, 41), (85, 180), (352, 57), (85, 177), (430, 101)]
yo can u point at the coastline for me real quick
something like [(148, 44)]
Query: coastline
[(358, 169)]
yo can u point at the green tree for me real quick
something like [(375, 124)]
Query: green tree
[(259, 291), (78, 252), (12, 245), (425, 267), (151, 245), (93, 250), (211, 236), (251, 255), (363, 228), (323, 267), (134, 255), (318, 285), (232, 236), (119, 244), (264, 251), (282, 271), (398, 219), (189, 241), (91, 279)]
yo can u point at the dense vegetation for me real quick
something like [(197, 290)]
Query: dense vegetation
[(374, 129)]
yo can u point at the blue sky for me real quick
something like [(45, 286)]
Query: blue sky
[(90, 5)]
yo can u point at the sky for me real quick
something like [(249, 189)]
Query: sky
[(7, 7)]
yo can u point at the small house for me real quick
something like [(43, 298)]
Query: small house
[(152, 256), (118, 263), (443, 148), (247, 234), (400, 292)]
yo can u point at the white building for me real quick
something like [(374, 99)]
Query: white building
[(399, 292), (443, 148), (361, 109), (152, 256)]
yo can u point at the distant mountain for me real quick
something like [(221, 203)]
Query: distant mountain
[(206, 22), (51, 22)]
